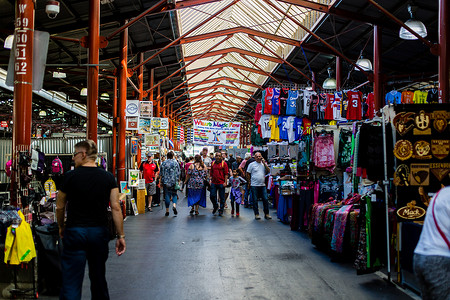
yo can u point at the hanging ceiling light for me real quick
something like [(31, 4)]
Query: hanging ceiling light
[(414, 24), (364, 64), (42, 113), (104, 96), (59, 74), (9, 42), (329, 83), (83, 92)]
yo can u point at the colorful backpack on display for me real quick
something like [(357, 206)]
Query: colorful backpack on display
[(102, 162), (57, 166), (8, 168)]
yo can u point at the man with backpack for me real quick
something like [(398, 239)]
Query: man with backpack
[(219, 178), (149, 171)]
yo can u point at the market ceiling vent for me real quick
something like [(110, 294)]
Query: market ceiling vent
[(232, 48)]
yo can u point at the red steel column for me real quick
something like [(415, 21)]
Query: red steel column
[(23, 81), (141, 97), (377, 85), (158, 103), (122, 103), (444, 53), (92, 85), (114, 129), (338, 73)]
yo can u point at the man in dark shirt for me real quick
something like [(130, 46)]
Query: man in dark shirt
[(86, 192)]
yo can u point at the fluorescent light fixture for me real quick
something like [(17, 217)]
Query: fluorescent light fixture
[(83, 92), (9, 42), (414, 24), (59, 74)]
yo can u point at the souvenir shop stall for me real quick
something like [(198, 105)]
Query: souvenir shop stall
[(327, 161)]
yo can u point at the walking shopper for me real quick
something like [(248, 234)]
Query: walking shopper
[(243, 172), (236, 195), (256, 173), (205, 158), (149, 171), (219, 177), (195, 182), (170, 175), (432, 253), (86, 192)]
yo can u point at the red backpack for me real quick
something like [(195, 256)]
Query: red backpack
[(57, 166)]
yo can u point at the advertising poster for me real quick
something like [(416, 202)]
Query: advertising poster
[(213, 133), (132, 123), (133, 177), (132, 108), (124, 189), (152, 140), (164, 123), (145, 126), (146, 109)]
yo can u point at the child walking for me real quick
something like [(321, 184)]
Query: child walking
[(236, 195)]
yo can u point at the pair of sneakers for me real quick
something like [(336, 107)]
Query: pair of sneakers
[(267, 217)]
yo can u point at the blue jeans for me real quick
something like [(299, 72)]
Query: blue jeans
[(259, 192), (170, 193), (247, 193), (81, 244), (213, 195)]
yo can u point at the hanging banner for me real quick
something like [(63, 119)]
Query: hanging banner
[(132, 108), (132, 123), (145, 126), (146, 109), (216, 133), (181, 136), (152, 140)]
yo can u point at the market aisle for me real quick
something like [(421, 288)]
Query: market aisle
[(208, 257)]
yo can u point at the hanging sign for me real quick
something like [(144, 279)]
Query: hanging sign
[(146, 109), (4, 124), (411, 211), (216, 133), (152, 140), (181, 138), (164, 123), (132, 108), (145, 126), (132, 123)]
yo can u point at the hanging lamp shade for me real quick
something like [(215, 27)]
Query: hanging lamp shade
[(364, 64), (104, 96), (329, 83), (414, 24), (83, 92), (9, 42)]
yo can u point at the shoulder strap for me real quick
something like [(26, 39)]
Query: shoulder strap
[(437, 226)]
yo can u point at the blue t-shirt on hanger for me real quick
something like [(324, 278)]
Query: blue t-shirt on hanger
[(292, 103), (298, 128), (393, 97), (276, 102), (283, 126)]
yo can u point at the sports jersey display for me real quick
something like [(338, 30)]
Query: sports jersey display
[(432, 96), (337, 105), (322, 106), (283, 126), (274, 129), (276, 102), (407, 97), (268, 101), (291, 108), (284, 93), (307, 101), (299, 104), (290, 129), (329, 107), (370, 105), (263, 99), (265, 127), (393, 97), (420, 96), (344, 105), (314, 106), (298, 128), (354, 110)]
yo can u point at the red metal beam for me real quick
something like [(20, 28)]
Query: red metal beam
[(219, 79), (190, 3), (231, 65), (123, 73), (221, 94), (140, 98), (264, 72), (222, 86), (237, 50), (176, 41), (158, 6), (93, 69), (114, 128)]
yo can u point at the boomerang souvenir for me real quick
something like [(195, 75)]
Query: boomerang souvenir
[(403, 149), (404, 122), (422, 122), (421, 150)]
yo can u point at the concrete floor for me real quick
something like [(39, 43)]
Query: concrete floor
[(210, 257)]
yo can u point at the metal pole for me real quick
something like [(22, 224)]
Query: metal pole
[(92, 86), (444, 53), (377, 84), (122, 103), (23, 81), (140, 97), (114, 129), (386, 198)]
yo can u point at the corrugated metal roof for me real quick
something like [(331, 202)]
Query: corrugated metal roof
[(253, 14)]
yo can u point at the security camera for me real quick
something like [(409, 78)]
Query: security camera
[(52, 9)]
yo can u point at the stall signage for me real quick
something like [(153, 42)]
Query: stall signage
[(4, 124), (411, 211), (164, 123), (132, 108)]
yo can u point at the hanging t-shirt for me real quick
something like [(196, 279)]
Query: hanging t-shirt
[(276, 102), (306, 126), (370, 101), (291, 109), (255, 138), (268, 101), (314, 106), (344, 106), (265, 128), (354, 110), (307, 101), (290, 128), (322, 106), (432, 96), (263, 99), (329, 107), (282, 125), (407, 97), (298, 128), (420, 97), (258, 112), (393, 97), (337, 105), (274, 130), (284, 94)]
